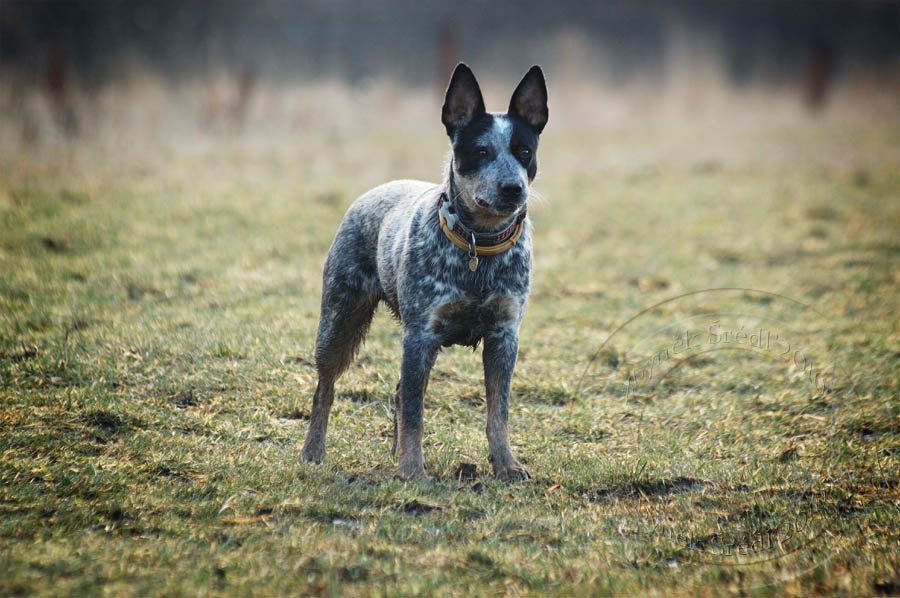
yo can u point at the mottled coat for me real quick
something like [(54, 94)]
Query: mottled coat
[(390, 248)]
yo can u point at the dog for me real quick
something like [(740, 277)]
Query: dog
[(452, 261)]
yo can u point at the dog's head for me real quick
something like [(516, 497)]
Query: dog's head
[(494, 154)]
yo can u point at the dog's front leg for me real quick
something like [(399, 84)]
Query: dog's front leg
[(499, 356), (419, 351)]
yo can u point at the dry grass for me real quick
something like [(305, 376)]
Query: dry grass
[(159, 288)]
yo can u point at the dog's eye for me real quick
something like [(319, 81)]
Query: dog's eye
[(525, 152), (482, 152)]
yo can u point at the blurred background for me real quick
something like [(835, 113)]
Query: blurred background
[(171, 71)]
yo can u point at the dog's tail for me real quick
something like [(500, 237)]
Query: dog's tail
[(396, 420)]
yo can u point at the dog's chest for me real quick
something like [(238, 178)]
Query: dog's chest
[(465, 319)]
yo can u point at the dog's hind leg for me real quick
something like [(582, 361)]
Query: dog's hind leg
[(346, 314)]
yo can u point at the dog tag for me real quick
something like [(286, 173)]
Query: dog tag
[(473, 263)]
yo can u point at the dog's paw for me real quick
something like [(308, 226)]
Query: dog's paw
[(312, 454), (510, 470), (411, 472)]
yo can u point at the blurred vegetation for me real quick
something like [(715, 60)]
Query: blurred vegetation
[(772, 41), (159, 289)]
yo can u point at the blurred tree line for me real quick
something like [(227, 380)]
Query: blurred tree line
[(48, 41)]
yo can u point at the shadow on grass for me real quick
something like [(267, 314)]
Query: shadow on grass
[(642, 488)]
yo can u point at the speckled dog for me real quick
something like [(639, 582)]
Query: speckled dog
[(452, 261)]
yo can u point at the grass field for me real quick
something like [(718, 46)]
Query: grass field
[(159, 297)]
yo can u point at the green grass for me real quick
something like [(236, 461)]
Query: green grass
[(156, 334)]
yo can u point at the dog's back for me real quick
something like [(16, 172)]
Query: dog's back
[(353, 254)]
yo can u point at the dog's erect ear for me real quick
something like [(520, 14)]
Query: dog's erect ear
[(529, 100), (463, 101)]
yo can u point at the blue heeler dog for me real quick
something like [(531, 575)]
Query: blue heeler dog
[(452, 261)]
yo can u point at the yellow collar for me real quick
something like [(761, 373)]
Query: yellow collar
[(468, 240)]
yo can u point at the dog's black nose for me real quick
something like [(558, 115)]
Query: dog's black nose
[(511, 192)]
